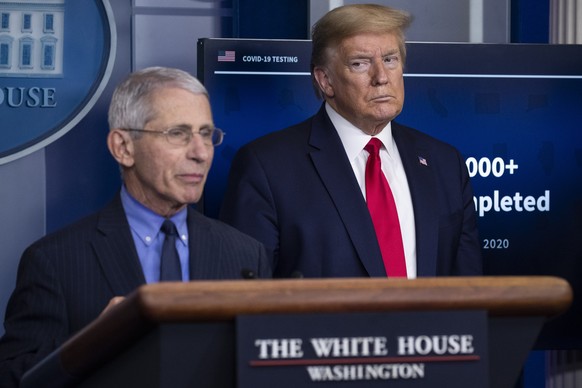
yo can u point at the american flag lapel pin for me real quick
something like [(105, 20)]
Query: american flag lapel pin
[(422, 161)]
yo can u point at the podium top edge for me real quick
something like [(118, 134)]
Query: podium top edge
[(223, 300)]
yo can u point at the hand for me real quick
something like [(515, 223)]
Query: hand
[(113, 302)]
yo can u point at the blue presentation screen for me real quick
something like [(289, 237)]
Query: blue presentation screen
[(514, 112)]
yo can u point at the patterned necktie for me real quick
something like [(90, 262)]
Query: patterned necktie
[(384, 214), (170, 268)]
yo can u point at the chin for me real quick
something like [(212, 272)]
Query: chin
[(193, 199)]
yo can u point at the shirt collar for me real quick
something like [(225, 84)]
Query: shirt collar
[(146, 224), (354, 139)]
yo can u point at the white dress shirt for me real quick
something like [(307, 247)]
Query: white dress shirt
[(354, 140)]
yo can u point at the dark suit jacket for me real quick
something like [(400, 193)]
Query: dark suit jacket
[(66, 279), (295, 191)]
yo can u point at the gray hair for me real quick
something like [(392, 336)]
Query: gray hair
[(131, 102), (350, 20)]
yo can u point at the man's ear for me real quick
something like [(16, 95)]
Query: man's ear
[(324, 81), (121, 146)]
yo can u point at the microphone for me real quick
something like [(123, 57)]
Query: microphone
[(248, 274)]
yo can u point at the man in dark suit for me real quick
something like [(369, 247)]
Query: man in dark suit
[(304, 191), (163, 137)]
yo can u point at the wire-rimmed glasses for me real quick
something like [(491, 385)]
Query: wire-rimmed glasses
[(181, 136)]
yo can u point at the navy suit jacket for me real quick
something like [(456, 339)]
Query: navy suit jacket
[(66, 279), (295, 191)]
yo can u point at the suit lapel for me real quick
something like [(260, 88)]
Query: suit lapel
[(333, 166), (202, 245), (422, 183), (116, 251)]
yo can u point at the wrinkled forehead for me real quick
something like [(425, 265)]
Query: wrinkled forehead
[(366, 45)]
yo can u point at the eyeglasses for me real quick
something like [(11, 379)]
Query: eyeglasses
[(181, 136)]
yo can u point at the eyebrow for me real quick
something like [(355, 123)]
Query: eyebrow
[(185, 126), (366, 54), (392, 52), (190, 127)]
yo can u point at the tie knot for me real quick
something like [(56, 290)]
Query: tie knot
[(373, 146), (169, 228)]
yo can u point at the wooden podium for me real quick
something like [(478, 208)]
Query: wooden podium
[(182, 334)]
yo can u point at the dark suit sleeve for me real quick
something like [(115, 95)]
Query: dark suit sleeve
[(265, 268), (248, 204), (469, 257), (35, 321)]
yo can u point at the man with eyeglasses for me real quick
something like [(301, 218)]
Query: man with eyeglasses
[(163, 136)]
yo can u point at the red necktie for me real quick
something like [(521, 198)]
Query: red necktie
[(384, 214)]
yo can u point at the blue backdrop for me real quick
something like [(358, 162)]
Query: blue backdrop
[(514, 112)]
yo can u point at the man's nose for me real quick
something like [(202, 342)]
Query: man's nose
[(379, 72)]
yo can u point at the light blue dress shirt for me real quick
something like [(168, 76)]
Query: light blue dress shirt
[(145, 228)]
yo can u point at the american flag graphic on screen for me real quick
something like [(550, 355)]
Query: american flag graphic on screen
[(226, 56)]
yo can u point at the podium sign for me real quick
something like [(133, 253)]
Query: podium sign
[(437, 332), (406, 349)]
